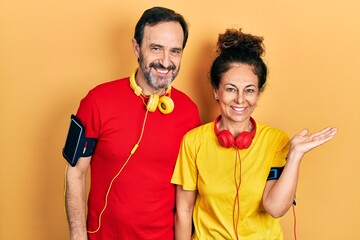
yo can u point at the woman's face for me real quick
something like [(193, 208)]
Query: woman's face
[(238, 93)]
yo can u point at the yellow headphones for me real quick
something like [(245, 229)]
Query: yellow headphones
[(164, 103)]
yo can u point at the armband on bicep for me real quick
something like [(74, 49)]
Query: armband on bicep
[(275, 173), (77, 145)]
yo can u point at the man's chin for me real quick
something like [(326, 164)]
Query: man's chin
[(163, 81), (163, 84)]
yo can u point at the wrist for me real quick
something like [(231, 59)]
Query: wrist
[(78, 234), (295, 155)]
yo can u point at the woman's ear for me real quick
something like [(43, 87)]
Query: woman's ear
[(262, 89), (216, 95)]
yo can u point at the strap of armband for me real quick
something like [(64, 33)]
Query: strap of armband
[(275, 173), (77, 145)]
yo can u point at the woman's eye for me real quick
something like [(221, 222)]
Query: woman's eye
[(230, 89), (250, 90)]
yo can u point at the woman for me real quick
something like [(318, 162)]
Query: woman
[(235, 177)]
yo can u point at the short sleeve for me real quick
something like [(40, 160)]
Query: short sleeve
[(185, 172), (88, 113), (281, 151)]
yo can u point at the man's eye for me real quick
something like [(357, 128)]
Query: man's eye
[(176, 51)]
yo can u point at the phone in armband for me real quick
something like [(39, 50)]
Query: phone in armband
[(77, 145)]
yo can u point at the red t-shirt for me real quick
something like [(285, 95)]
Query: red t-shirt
[(141, 200)]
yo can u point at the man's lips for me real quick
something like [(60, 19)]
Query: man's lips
[(161, 70)]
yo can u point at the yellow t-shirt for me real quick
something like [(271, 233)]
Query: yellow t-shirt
[(203, 165)]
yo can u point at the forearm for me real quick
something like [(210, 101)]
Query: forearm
[(280, 197), (183, 225), (184, 208), (76, 205)]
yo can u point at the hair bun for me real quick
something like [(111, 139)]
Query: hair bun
[(234, 39)]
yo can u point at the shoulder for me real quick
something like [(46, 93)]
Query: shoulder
[(111, 87), (109, 91), (201, 132), (103, 95), (266, 131), (270, 138), (185, 107), (181, 98)]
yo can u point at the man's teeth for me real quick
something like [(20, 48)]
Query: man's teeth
[(163, 71)]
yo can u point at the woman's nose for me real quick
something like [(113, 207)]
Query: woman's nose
[(240, 97)]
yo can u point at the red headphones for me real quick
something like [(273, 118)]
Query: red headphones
[(227, 140)]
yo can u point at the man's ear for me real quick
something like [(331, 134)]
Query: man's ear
[(136, 47)]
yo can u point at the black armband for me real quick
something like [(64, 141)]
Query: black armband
[(275, 173), (77, 145)]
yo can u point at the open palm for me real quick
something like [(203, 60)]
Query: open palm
[(304, 142)]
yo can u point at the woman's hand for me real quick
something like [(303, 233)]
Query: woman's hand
[(304, 142), (279, 195)]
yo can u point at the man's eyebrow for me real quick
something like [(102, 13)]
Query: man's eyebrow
[(233, 85), (156, 45), (177, 48)]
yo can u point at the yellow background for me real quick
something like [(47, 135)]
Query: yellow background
[(53, 52)]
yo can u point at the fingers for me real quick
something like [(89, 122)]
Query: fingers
[(326, 132), (323, 136), (304, 132), (329, 131), (304, 141)]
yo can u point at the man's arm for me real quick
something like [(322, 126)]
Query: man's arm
[(76, 198)]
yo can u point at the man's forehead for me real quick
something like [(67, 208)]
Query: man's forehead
[(165, 33)]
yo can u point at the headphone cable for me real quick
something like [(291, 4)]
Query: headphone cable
[(123, 166), (237, 200), (294, 215), (113, 179)]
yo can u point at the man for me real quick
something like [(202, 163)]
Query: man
[(138, 123)]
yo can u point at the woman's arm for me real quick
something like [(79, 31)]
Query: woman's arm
[(185, 201), (279, 194)]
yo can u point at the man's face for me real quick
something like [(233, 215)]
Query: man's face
[(159, 55)]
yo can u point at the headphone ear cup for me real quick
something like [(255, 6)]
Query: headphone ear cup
[(166, 105), (152, 102), (244, 140), (225, 139)]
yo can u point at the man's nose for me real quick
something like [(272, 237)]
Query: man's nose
[(165, 59)]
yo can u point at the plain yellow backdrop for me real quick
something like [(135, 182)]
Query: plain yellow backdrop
[(53, 52)]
